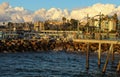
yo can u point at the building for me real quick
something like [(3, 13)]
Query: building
[(105, 23), (38, 26), (53, 25), (20, 26)]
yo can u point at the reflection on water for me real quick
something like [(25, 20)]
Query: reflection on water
[(53, 64)]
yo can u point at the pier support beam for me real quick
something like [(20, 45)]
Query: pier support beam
[(99, 55), (107, 59), (112, 52), (87, 57), (118, 67)]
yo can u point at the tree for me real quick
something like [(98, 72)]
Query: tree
[(74, 23), (63, 19), (115, 17), (10, 25)]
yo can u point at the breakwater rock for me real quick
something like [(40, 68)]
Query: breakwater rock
[(8, 46)]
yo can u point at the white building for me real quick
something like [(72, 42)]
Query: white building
[(106, 23)]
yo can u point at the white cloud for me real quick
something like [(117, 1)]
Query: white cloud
[(19, 8), (17, 18), (19, 14), (3, 15), (4, 5), (28, 18), (105, 9), (39, 15), (4, 18)]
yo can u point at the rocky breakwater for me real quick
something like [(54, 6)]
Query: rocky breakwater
[(8, 46)]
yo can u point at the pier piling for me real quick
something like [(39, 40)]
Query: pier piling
[(87, 57), (99, 55), (118, 67), (112, 52), (107, 59)]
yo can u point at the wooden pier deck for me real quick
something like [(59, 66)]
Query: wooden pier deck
[(97, 41)]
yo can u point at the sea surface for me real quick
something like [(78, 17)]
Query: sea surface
[(54, 64)]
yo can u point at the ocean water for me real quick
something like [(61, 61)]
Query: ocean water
[(54, 64)]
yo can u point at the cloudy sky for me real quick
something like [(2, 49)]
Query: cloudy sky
[(31, 10)]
